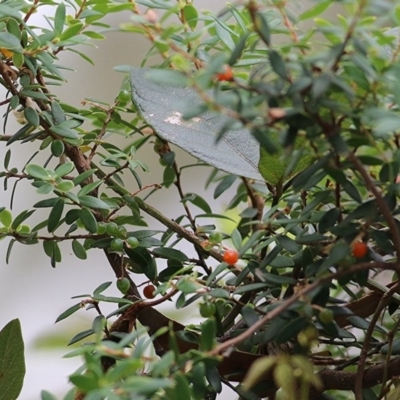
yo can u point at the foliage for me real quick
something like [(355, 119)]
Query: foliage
[(299, 115)]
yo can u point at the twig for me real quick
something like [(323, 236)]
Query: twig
[(220, 349), (386, 298)]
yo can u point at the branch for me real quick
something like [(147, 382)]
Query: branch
[(386, 299), (223, 347), (380, 202)]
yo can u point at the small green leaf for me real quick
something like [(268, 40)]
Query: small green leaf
[(68, 312), (83, 176), (7, 159), (64, 186), (38, 172), (20, 218), (9, 248), (57, 148), (64, 169), (31, 116), (80, 336), (57, 112), (93, 202), (55, 215), (79, 250), (190, 15), (46, 203), (88, 220), (262, 27), (167, 252), (197, 201), (59, 19), (277, 64), (45, 395), (72, 31), (314, 11), (12, 361), (65, 132), (101, 288), (208, 332), (6, 218), (10, 42)]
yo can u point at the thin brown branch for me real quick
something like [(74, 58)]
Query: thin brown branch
[(220, 349), (379, 200), (385, 300)]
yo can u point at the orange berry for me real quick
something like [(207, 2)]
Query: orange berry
[(231, 256), (226, 75), (359, 249), (148, 292)]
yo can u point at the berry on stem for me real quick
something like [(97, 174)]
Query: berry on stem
[(231, 256), (225, 75), (148, 292), (359, 249)]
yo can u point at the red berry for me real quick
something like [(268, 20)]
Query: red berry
[(226, 75), (148, 292), (231, 256), (359, 249)]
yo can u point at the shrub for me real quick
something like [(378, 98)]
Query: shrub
[(302, 122)]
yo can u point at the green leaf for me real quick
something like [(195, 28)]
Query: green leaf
[(167, 252), (262, 27), (314, 11), (64, 169), (80, 336), (32, 116), (162, 107), (273, 166), (57, 148), (197, 201), (20, 218), (72, 31), (64, 132), (190, 15), (79, 250), (9, 248), (143, 261), (88, 220), (83, 176), (64, 186), (12, 361), (208, 332), (6, 218), (69, 312), (19, 134), (7, 159), (46, 203), (101, 288), (55, 215), (57, 112), (45, 395), (277, 64), (59, 19), (38, 172), (10, 42), (93, 202)]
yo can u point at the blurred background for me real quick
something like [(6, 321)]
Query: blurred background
[(29, 288)]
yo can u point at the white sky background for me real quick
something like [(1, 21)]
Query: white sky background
[(29, 288)]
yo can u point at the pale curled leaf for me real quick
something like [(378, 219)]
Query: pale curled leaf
[(162, 107)]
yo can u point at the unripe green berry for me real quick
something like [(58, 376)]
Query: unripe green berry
[(117, 244), (132, 242), (123, 285), (326, 316), (112, 229), (215, 237), (207, 310)]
